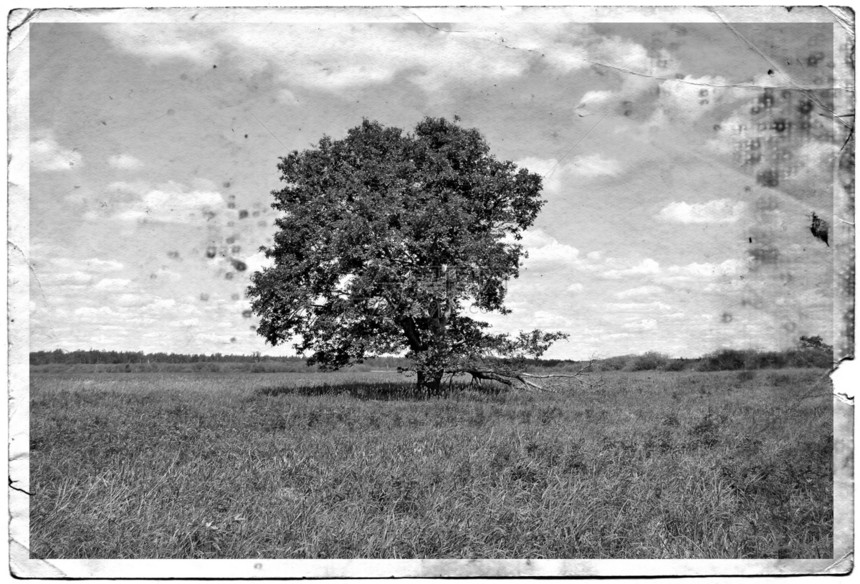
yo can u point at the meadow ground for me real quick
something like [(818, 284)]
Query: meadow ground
[(629, 465)]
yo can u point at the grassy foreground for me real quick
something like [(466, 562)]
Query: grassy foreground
[(632, 465)]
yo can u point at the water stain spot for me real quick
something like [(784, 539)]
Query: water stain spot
[(228, 276), (239, 265), (211, 252), (231, 239), (171, 111), (820, 229), (246, 314), (204, 297), (234, 297), (227, 184), (236, 249), (243, 214)]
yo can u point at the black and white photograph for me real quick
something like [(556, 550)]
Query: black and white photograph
[(489, 291)]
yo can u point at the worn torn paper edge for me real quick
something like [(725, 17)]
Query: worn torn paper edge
[(844, 377)]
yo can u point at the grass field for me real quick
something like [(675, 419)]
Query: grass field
[(343, 465)]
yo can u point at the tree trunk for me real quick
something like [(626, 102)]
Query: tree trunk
[(430, 382)]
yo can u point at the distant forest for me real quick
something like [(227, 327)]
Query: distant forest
[(809, 352)]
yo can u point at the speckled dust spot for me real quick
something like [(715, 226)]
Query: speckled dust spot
[(243, 214), (226, 184), (228, 276), (234, 297), (211, 251), (238, 265), (174, 255), (231, 239), (232, 339), (204, 297), (236, 249), (246, 314)]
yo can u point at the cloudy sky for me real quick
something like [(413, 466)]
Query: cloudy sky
[(681, 163)]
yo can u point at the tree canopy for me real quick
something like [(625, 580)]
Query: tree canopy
[(387, 241)]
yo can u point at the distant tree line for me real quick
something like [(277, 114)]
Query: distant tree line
[(98, 357), (808, 352)]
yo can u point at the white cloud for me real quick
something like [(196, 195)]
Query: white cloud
[(643, 268), (716, 211), (705, 271), (544, 249), (46, 154), (287, 97), (576, 287), (131, 299), (596, 97), (545, 318), (258, 262), (640, 291), (339, 56), (76, 278), (112, 284), (691, 97), (636, 306), (555, 174), (591, 165), (91, 264), (124, 161), (645, 324), (171, 202)]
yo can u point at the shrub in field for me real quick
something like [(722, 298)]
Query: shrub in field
[(614, 363), (746, 376), (724, 360), (675, 365), (647, 362)]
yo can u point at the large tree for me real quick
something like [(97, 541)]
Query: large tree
[(388, 241)]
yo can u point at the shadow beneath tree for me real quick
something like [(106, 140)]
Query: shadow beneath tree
[(387, 391)]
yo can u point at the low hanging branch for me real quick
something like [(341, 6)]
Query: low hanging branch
[(504, 360)]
